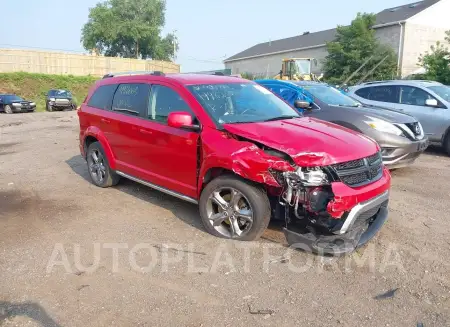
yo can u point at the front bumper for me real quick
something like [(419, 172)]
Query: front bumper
[(336, 245), (23, 108), (359, 214), (396, 156)]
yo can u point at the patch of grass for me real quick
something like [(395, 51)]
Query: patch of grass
[(34, 87)]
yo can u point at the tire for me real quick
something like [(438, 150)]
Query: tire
[(49, 107), (8, 109), (252, 198), (108, 176), (447, 144)]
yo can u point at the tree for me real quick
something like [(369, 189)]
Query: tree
[(436, 63), (129, 29), (353, 46)]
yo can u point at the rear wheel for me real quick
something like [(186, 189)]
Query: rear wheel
[(8, 109), (101, 174), (233, 208)]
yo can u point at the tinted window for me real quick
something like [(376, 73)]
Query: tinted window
[(102, 97), (383, 94), (131, 99), (363, 93), (413, 96), (60, 93), (164, 100)]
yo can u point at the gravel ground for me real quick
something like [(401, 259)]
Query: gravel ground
[(72, 254)]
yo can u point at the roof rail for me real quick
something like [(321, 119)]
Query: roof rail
[(130, 73)]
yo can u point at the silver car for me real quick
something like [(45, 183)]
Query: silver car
[(428, 101)]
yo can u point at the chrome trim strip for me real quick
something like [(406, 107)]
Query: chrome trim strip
[(159, 188), (362, 207)]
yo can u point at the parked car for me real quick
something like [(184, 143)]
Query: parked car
[(11, 103), (428, 101), (59, 100), (239, 152), (400, 136)]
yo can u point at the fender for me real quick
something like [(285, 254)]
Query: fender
[(98, 134), (220, 150)]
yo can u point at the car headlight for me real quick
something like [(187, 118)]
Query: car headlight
[(383, 126), (52, 99), (32, 104), (310, 176), (16, 104)]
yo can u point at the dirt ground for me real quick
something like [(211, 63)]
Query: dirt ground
[(72, 254)]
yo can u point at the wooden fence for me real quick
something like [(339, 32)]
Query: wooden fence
[(33, 61)]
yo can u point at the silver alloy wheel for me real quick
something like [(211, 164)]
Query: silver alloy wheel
[(229, 212), (97, 168)]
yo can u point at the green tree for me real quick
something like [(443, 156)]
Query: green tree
[(353, 46), (436, 63), (129, 29)]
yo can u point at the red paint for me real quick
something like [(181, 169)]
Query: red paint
[(309, 141), (181, 159), (179, 119)]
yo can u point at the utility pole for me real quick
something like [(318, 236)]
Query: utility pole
[(174, 44)]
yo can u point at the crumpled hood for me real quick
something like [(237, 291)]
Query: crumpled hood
[(382, 113), (309, 141)]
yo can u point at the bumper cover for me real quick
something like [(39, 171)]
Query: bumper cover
[(395, 156), (336, 245)]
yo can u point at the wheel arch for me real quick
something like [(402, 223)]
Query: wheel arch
[(93, 134)]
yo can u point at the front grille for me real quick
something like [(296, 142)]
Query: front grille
[(360, 172)]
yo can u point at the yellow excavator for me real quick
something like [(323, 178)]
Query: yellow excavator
[(298, 69)]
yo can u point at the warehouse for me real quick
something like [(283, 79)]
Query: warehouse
[(409, 29)]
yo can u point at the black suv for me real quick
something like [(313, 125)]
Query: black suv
[(59, 100)]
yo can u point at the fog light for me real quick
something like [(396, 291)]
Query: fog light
[(318, 199)]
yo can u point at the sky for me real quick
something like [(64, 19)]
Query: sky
[(208, 30)]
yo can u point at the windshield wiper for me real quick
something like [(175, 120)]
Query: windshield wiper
[(282, 117)]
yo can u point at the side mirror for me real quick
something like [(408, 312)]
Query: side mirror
[(299, 104), (182, 119), (431, 102)]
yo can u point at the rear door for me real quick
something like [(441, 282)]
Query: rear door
[(128, 138)]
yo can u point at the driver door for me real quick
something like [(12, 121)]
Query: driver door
[(412, 101), (170, 153)]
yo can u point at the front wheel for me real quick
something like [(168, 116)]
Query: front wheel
[(49, 107), (231, 207), (8, 109)]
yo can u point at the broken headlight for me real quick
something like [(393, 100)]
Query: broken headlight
[(308, 176)]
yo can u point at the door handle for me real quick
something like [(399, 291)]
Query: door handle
[(105, 120), (145, 131)]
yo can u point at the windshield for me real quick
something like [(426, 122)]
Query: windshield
[(241, 103), (330, 95), (60, 93), (13, 98), (441, 90)]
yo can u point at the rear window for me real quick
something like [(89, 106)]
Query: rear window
[(102, 97), (132, 99)]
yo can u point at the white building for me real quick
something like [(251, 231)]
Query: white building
[(409, 29)]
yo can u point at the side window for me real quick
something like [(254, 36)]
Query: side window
[(132, 99), (102, 97), (383, 93), (163, 101), (363, 93), (413, 96)]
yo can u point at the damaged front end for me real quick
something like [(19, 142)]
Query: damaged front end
[(325, 213)]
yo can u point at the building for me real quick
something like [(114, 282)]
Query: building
[(409, 29)]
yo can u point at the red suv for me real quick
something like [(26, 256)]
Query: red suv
[(239, 152)]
